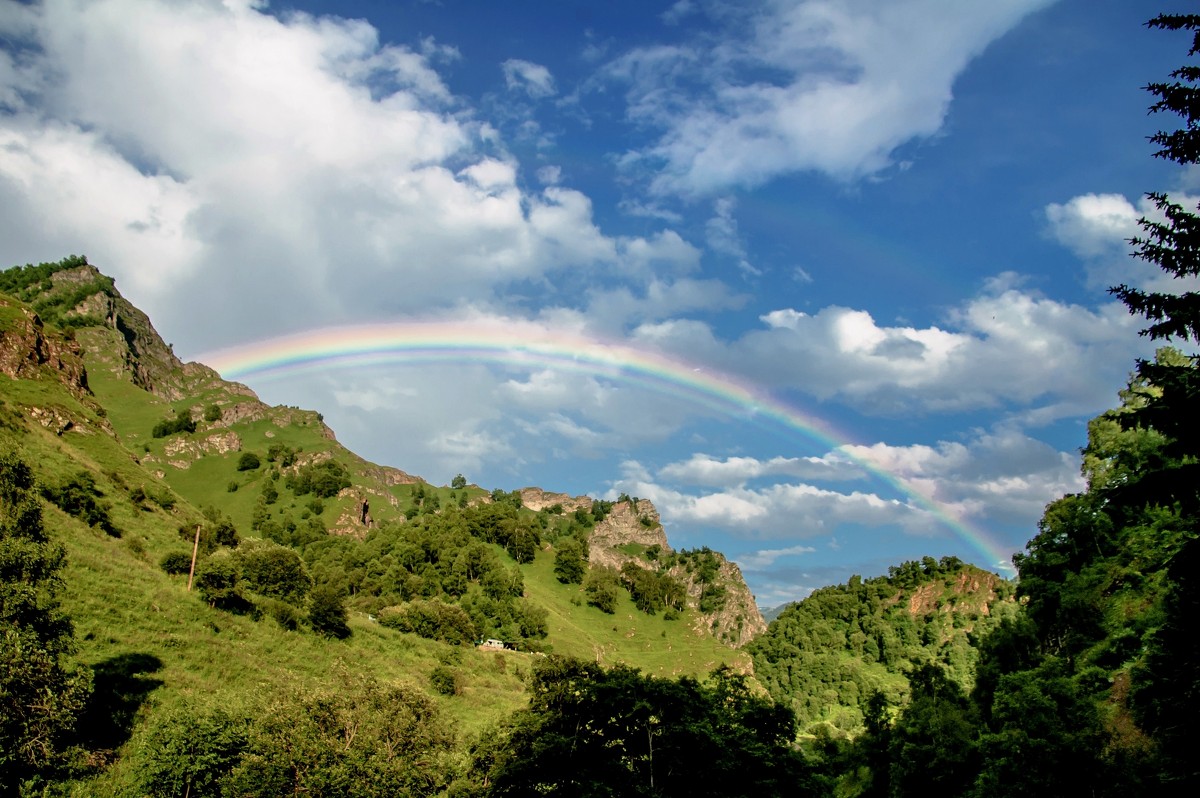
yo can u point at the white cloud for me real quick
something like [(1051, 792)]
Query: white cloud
[(1004, 346), (721, 231), (852, 82), (764, 558), (1097, 228), (1091, 225), (532, 79), (1003, 475), (780, 511), (218, 161), (549, 175), (703, 469)]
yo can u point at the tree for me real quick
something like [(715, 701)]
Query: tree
[(273, 570), (569, 567), (40, 698), (248, 462), (601, 588), (591, 731), (459, 482), (932, 747), (1173, 244), (327, 612)]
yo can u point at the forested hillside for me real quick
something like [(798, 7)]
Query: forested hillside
[(825, 656)]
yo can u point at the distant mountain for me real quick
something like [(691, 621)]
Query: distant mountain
[(771, 613)]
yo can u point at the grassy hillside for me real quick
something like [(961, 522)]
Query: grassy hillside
[(134, 495)]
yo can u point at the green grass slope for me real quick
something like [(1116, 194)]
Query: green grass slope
[(158, 649)]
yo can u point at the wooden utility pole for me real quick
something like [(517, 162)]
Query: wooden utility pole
[(195, 551)]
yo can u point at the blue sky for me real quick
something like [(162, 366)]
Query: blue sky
[(898, 219)]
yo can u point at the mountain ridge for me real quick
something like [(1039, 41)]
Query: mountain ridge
[(227, 421)]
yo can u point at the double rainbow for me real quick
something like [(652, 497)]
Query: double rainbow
[(527, 346)]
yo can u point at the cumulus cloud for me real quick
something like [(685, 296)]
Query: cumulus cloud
[(215, 156), (999, 478), (1004, 346), (1003, 475), (782, 511), (1092, 225), (1097, 228), (851, 82)]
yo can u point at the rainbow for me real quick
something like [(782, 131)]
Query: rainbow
[(530, 346)]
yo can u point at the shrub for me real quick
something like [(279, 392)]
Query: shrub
[(189, 754), (181, 423), (275, 571), (80, 497), (446, 680), (248, 462), (327, 613), (218, 581), (432, 619), (176, 563)]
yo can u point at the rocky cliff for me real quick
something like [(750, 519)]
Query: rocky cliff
[(633, 533)]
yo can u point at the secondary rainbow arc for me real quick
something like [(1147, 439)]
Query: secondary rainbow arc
[(522, 345)]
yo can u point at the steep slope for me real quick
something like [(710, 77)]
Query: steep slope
[(279, 473)]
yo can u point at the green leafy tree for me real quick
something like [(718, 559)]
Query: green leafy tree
[(189, 753), (591, 731), (933, 744), (601, 588), (275, 571), (248, 462), (40, 696), (219, 583), (327, 612), (569, 566), (182, 422), (459, 482)]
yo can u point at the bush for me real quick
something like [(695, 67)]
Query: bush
[(248, 462), (432, 619), (212, 413), (80, 497), (327, 613), (181, 423), (601, 588), (218, 580), (176, 563), (446, 680), (275, 571), (284, 614), (324, 480)]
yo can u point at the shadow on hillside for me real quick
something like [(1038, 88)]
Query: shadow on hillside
[(120, 688)]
